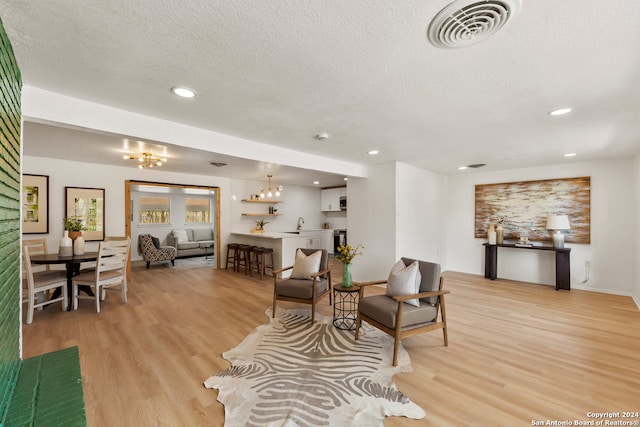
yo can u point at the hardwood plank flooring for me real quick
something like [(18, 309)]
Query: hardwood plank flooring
[(517, 352)]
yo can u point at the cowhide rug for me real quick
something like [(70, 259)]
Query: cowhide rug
[(290, 373)]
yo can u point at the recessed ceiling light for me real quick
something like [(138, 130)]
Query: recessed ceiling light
[(184, 92), (322, 136), (346, 179), (461, 168), (560, 111), (316, 182), (373, 152), (569, 154)]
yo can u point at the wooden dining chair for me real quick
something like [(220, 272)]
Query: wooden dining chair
[(37, 247), (35, 285), (110, 272)]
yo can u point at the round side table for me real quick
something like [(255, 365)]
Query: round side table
[(345, 307)]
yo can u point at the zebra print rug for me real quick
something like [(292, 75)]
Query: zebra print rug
[(289, 373)]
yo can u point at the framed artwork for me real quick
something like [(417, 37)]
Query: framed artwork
[(35, 204), (523, 208), (88, 204)]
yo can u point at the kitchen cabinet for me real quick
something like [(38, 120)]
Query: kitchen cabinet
[(330, 199), (312, 243), (326, 241)]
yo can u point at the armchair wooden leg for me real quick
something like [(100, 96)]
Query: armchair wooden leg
[(358, 322), (396, 344), (148, 263)]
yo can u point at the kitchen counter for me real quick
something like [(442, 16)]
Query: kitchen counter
[(283, 243)]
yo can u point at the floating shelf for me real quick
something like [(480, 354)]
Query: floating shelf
[(262, 201), (258, 214)]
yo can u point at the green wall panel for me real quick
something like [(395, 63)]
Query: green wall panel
[(10, 92)]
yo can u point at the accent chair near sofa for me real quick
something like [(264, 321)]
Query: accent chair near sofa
[(150, 249)]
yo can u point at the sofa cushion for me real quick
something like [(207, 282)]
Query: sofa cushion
[(384, 309), (156, 242), (205, 243), (188, 245), (181, 236), (200, 234)]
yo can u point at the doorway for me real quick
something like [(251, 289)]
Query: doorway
[(176, 189)]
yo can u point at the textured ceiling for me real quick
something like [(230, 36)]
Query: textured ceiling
[(279, 72)]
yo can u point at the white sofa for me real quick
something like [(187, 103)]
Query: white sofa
[(190, 242)]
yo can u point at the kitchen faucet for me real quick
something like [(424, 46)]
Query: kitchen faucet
[(300, 222)]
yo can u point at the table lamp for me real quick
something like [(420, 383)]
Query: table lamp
[(558, 223)]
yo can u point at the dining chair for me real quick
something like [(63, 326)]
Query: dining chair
[(110, 272), (36, 284), (37, 247)]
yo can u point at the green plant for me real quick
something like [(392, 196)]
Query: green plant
[(346, 254), (74, 223), (260, 224)]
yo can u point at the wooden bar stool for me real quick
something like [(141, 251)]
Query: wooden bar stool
[(256, 258), (232, 256), (266, 252), (244, 257)]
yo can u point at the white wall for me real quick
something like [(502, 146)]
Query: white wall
[(76, 174), (398, 211), (420, 213), (371, 219), (613, 228), (636, 293), (297, 201)]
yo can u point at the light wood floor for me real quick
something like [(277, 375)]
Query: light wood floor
[(517, 352)]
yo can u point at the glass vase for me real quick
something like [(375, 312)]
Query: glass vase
[(346, 276)]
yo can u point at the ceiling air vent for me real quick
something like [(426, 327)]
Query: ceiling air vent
[(218, 164), (464, 23)]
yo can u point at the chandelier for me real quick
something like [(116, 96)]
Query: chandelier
[(147, 160), (270, 192)]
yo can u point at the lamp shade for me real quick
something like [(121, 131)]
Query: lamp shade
[(558, 222)]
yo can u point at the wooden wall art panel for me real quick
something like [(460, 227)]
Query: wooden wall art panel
[(525, 206)]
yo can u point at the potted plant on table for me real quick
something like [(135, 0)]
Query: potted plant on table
[(346, 254), (260, 226), (75, 226)]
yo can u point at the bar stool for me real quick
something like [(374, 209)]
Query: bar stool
[(256, 258), (244, 257), (232, 256), (266, 252)]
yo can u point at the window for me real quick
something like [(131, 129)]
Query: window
[(198, 210), (154, 210)]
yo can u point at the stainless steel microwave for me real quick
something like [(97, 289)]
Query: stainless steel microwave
[(343, 203)]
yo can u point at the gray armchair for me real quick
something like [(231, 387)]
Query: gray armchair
[(305, 291), (401, 320)]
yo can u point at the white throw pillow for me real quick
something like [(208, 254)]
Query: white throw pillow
[(404, 280), (306, 265), (181, 236)]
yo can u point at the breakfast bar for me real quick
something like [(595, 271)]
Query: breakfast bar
[(283, 243)]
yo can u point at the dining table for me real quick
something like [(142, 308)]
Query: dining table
[(72, 264)]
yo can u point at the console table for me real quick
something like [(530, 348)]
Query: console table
[(563, 271)]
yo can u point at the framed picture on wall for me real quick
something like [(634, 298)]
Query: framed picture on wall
[(88, 204), (35, 204)]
